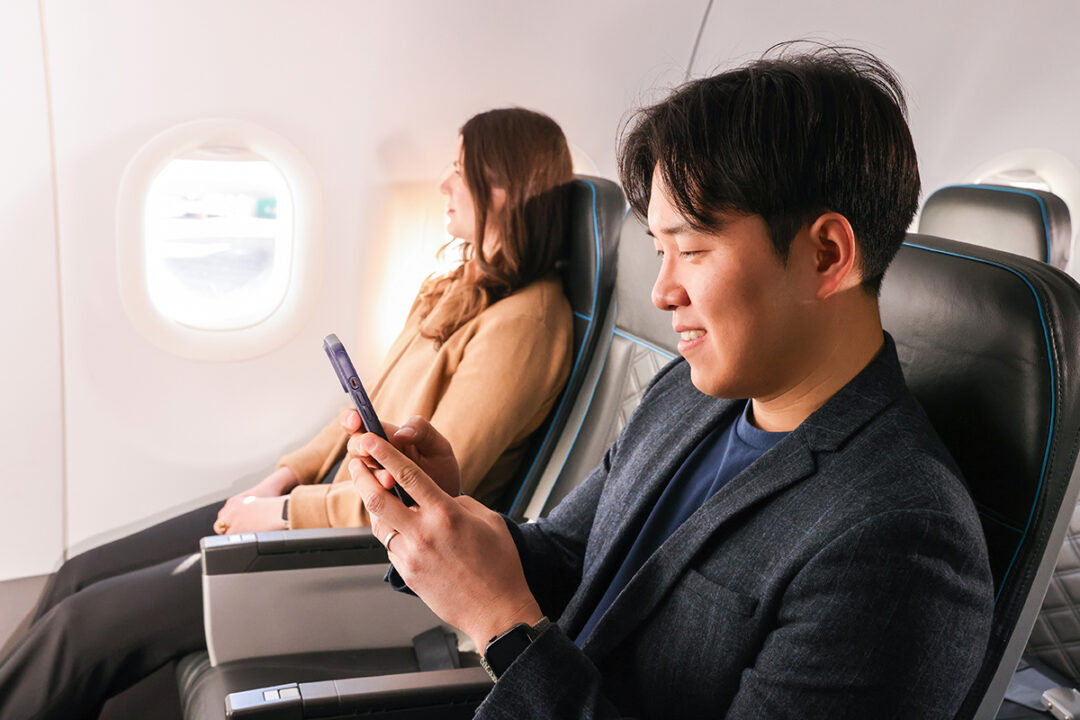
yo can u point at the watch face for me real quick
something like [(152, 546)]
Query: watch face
[(503, 650)]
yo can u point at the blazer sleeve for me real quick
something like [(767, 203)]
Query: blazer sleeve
[(553, 678), (552, 550)]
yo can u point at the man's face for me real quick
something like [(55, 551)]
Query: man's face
[(741, 312)]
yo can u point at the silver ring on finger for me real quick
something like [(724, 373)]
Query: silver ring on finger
[(389, 536)]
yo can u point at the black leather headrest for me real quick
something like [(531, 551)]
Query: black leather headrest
[(1032, 223), (596, 207)]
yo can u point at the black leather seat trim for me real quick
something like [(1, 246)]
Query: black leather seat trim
[(1053, 403)]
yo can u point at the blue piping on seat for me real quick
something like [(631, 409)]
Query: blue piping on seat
[(1053, 397), (639, 341), (1016, 191), (584, 317), (577, 360)]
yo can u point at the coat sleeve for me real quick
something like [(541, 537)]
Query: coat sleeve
[(553, 678), (552, 550)]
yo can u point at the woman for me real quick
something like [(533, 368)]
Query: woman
[(484, 353)]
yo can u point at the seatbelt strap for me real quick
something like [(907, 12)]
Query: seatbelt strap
[(436, 649)]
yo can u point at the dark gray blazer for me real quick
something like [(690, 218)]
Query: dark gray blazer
[(842, 575)]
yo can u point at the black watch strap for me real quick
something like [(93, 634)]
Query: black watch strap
[(285, 511)]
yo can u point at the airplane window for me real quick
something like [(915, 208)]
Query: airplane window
[(1019, 178), (219, 238), (219, 241)]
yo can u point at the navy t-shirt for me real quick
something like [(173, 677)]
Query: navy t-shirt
[(724, 453)]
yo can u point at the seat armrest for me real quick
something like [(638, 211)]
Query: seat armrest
[(297, 591), (435, 694), (290, 550)]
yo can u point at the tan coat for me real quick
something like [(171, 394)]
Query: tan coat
[(488, 387)]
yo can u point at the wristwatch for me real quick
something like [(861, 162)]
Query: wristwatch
[(285, 512), (503, 649)]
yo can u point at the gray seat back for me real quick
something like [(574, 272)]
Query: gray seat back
[(636, 341), (1032, 223)]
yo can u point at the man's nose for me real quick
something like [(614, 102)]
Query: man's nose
[(667, 292)]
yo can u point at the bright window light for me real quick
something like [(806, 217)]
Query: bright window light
[(219, 239)]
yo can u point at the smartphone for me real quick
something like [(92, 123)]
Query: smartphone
[(350, 383)]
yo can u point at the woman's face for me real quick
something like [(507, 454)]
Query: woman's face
[(460, 212)]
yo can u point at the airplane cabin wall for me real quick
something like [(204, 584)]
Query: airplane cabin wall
[(31, 427)]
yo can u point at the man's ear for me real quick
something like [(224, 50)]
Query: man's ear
[(835, 254)]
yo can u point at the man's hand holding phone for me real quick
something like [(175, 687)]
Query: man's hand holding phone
[(418, 440), (454, 553)]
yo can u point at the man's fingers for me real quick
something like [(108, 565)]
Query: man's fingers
[(408, 475), (384, 506), (350, 420), (422, 435), (355, 448)]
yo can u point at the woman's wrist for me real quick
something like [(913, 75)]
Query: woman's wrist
[(282, 480)]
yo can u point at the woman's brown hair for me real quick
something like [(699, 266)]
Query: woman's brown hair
[(524, 154)]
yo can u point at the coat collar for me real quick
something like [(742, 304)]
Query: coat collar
[(791, 460)]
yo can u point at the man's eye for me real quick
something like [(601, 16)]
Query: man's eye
[(688, 253), (659, 253)]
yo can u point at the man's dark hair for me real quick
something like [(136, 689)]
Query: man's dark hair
[(786, 137)]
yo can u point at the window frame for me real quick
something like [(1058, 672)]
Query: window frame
[(305, 263)]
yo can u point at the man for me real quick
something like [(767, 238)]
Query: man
[(808, 551)]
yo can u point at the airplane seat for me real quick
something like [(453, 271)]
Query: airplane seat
[(249, 579), (1032, 223), (1035, 224), (989, 342), (634, 341), (597, 208), (640, 341)]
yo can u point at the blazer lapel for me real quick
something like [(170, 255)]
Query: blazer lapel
[(790, 461)]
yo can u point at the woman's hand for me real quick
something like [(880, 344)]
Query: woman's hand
[(453, 552), (252, 514), (419, 441), (273, 485)]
